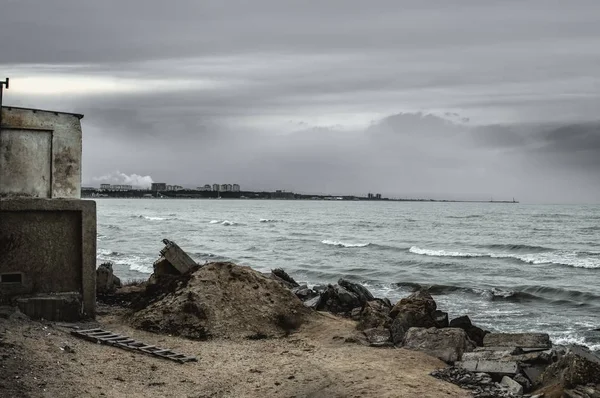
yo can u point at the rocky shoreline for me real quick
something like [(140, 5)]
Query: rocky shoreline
[(225, 300)]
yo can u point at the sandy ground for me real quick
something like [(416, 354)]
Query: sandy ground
[(314, 362)]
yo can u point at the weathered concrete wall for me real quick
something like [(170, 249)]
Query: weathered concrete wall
[(40, 154), (51, 244)]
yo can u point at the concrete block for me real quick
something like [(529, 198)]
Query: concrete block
[(503, 368), (512, 385), (510, 350), (178, 258), (51, 243), (61, 307), (486, 355), (527, 340)]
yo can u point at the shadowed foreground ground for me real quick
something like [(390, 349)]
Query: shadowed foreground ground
[(315, 362)]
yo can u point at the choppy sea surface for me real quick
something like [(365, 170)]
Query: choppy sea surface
[(510, 267)]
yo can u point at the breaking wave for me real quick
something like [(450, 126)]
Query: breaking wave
[(520, 294), (344, 244), (224, 222), (152, 218), (571, 259), (268, 220)]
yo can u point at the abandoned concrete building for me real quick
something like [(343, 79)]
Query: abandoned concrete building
[(47, 233)]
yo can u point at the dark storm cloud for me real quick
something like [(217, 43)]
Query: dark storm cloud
[(323, 96)]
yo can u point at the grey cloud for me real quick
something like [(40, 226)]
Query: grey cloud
[(220, 87)]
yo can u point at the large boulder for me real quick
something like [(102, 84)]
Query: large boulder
[(106, 281), (416, 310), (578, 366), (304, 293), (337, 300), (378, 337), (447, 344), (475, 333), (420, 301), (280, 275), (374, 314), (361, 292)]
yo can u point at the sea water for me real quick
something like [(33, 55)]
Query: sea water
[(510, 267)]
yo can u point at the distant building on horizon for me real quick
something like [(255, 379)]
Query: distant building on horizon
[(236, 188), (204, 188), (158, 186), (216, 187), (223, 188), (109, 187)]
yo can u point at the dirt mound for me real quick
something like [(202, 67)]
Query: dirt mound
[(224, 300)]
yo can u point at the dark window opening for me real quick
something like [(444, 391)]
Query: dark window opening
[(11, 278)]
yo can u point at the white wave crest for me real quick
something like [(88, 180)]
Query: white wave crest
[(227, 223), (151, 218), (215, 222), (268, 220), (442, 253), (573, 339), (343, 244), (571, 259)]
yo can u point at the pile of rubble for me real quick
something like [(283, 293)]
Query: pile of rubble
[(488, 364), (226, 300)]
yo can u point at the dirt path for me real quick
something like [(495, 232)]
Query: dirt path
[(315, 362)]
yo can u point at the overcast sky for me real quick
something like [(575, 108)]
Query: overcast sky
[(449, 99)]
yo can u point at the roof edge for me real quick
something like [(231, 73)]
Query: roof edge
[(77, 115)]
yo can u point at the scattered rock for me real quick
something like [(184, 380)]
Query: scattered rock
[(338, 300), (378, 337), (374, 314), (313, 302), (475, 333), (106, 281), (282, 276), (481, 385), (524, 381), (447, 344), (463, 322), (415, 310), (512, 385), (532, 340), (497, 368), (304, 293), (319, 288), (420, 301), (361, 292), (578, 366)]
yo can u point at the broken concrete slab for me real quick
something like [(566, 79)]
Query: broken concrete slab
[(526, 340), (486, 355), (447, 344), (512, 385), (512, 350), (500, 368), (178, 258), (106, 280)]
